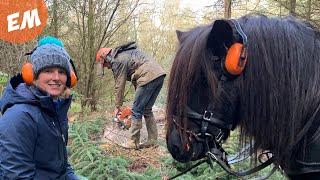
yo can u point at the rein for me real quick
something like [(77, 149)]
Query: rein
[(217, 153)]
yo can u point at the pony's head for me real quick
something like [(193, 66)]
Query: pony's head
[(202, 103), (271, 98)]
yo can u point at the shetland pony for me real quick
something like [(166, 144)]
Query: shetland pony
[(274, 100)]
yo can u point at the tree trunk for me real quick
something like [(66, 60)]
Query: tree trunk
[(55, 19), (96, 27), (90, 91), (292, 9), (308, 15), (227, 9)]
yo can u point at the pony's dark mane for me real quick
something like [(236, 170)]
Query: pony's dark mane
[(279, 89)]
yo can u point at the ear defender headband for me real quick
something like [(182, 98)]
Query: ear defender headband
[(73, 74), (236, 57), (28, 74)]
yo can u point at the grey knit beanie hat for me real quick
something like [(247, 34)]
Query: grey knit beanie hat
[(49, 55)]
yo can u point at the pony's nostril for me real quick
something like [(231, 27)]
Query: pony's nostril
[(177, 152), (176, 147)]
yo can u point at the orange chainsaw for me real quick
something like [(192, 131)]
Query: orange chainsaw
[(123, 118)]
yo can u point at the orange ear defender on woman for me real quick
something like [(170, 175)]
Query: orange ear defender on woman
[(28, 75), (48, 55), (73, 74)]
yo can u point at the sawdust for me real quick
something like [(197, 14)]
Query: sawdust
[(114, 141)]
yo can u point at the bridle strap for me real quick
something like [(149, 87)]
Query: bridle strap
[(204, 127), (208, 116), (212, 157), (226, 167), (217, 153), (242, 155)]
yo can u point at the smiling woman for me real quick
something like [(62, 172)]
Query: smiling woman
[(52, 80), (35, 116)]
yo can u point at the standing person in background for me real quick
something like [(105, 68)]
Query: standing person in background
[(128, 63), (34, 125)]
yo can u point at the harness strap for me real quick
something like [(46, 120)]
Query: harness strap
[(225, 166), (239, 174), (207, 116), (204, 127), (217, 154), (242, 155)]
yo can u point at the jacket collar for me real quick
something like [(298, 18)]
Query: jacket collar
[(21, 93)]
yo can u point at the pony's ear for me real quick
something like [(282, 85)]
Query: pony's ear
[(220, 37), (179, 35)]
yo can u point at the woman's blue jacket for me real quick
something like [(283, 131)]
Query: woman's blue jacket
[(33, 134)]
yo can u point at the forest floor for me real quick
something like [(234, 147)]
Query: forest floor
[(148, 162), (114, 140)]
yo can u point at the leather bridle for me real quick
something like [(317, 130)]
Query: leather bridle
[(215, 153), (206, 119)]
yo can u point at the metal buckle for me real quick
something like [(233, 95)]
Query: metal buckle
[(207, 137), (207, 115), (219, 136)]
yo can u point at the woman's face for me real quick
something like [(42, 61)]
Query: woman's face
[(52, 80)]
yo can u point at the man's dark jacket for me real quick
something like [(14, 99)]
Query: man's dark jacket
[(132, 64)]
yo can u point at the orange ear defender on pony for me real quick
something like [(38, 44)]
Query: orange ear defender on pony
[(48, 55), (236, 57)]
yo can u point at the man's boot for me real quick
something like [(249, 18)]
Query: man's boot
[(134, 140), (152, 131)]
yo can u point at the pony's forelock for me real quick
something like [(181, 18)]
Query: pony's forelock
[(189, 61)]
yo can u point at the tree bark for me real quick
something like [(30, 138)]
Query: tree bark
[(292, 9), (308, 15), (227, 9), (54, 24)]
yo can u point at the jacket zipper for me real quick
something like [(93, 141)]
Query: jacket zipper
[(61, 148)]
